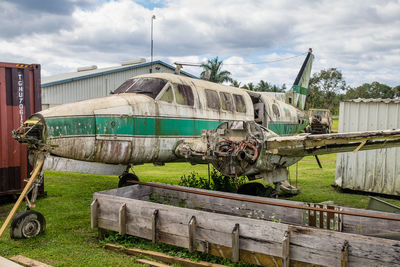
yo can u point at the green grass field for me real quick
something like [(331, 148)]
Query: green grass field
[(69, 240)]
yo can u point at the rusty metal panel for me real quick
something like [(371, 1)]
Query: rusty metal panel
[(19, 98), (375, 170)]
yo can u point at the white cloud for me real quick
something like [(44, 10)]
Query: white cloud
[(361, 38)]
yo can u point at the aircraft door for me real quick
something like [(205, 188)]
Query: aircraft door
[(260, 114), (113, 143)]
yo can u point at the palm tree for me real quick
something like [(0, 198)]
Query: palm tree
[(276, 89), (235, 83), (263, 86), (216, 75), (250, 86)]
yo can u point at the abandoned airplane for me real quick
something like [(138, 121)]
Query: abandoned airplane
[(158, 118)]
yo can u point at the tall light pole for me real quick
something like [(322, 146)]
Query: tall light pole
[(151, 66)]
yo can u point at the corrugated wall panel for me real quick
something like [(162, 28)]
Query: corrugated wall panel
[(94, 87), (375, 170), (19, 98)]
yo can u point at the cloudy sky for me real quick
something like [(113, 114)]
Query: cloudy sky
[(361, 38)]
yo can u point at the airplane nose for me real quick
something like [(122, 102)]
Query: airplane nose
[(32, 133)]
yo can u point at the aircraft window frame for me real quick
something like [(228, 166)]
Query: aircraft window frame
[(149, 86), (212, 99), (226, 101), (124, 86), (276, 111), (183, 90), (162, 93), (240, 103)]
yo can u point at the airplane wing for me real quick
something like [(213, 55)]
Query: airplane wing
[(319, 144), (245, 148)]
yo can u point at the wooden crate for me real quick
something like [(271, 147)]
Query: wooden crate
[(261, 234)]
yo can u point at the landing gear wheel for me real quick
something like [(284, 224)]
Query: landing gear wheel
[(123, 179), (255, 189), (27, 224)]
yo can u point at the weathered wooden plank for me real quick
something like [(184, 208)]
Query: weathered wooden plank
[(154, 226), (179, 227), (135, 191), (8, 263), (161, 256), (122, 219), (235, 243), (306, 244), (351, 224), (192, 234), (94, 213), (25, 261), (286, 249), (151, 263), (345, 253)]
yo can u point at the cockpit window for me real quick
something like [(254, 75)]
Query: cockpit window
[(122, 88), (167, 96), (147, 86)]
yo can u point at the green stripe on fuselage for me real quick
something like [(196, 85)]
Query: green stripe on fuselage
[(70, 126), (141, 126)]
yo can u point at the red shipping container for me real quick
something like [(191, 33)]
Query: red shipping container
[(20, 97)]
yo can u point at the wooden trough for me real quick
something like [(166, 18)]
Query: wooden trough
[(248, 229)]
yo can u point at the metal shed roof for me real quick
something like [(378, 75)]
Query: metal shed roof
[(374, 100), (74, 76)]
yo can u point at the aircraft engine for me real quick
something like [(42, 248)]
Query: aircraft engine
[(237, 148)]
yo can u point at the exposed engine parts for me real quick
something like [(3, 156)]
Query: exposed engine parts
[(247, 149), (32, 133), (234, 149)]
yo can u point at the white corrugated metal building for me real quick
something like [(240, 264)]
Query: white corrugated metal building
[(91, 82), (373, 170)]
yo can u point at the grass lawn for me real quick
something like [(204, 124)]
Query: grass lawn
[(69, 240)]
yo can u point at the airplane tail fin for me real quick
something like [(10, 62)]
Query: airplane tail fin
[(298, 93)]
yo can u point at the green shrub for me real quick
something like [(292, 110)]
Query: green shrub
[(194, 180), (219, 182)]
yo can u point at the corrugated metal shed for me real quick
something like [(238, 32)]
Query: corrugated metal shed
[(375, 170), (77, 86)]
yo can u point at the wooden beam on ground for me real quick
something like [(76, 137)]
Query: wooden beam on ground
[(8, 263), (25, 261), (151, 263), (161, 256)]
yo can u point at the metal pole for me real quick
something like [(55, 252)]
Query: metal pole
[(151, 66)]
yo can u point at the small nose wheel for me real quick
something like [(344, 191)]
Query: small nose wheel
[(27, 224), (123, 180)]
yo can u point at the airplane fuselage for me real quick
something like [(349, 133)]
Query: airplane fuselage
[(135, 127)]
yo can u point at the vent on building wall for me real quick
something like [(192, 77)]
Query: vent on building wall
[(133, 61), (93, 67)]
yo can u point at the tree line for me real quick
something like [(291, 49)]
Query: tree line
[(326, 89)]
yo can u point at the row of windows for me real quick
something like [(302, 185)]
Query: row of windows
[(226, 103), (183, 94)]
